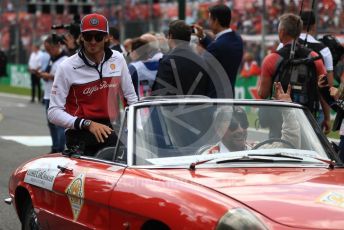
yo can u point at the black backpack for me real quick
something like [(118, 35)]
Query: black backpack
[(337, 50), (300, 72)]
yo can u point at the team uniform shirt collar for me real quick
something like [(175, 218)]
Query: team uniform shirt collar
[(93, 63), (223, 32)]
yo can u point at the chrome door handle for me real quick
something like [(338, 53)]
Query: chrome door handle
[(64, 169)]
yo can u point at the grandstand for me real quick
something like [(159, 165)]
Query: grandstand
[(18, 28)]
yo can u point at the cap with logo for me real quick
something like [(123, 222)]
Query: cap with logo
[(94, 22)]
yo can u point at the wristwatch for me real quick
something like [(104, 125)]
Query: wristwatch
[(86, 124)]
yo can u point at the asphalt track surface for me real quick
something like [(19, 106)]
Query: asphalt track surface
[(19, 120)]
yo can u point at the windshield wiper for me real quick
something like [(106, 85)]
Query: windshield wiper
[(232, 159), (248, 157), (261, 158), (282, 155), (330, 163)]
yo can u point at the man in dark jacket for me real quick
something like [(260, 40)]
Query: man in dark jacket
[(227, 47), (181, 71)]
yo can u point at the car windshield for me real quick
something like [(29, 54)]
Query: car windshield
[(180, 134)]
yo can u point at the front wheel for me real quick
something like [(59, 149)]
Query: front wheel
[(30, 221)]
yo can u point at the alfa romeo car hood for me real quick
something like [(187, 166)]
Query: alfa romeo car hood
[(302, 197)]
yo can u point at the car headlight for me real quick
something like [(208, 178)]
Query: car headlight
[(240, 218)]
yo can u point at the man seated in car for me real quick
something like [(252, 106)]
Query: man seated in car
[(234, 137)]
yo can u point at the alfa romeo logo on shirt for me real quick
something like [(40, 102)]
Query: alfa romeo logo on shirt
[(94, 21)]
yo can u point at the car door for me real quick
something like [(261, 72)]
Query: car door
[(82, 191)]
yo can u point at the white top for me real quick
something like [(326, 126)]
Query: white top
[(45, 59), (325, 53), (79, 92), (35, 60), (48, 84)]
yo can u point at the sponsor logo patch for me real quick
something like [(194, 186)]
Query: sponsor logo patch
[(334, 198), (43, 172), (94, 21), (78, 67), (75, 192), (103, 85)]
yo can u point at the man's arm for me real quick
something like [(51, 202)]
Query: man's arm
[(326, 123), (267, 74), (204, 39), (59, 92), (127, 84), (328, 62), (290, 126)]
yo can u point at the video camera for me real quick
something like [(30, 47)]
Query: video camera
[(73, 29)]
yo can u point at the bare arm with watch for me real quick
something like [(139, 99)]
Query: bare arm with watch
[(100, 131)]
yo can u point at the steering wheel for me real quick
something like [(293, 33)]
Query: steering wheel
[(272, 140)]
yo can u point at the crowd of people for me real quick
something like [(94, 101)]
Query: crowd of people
[(199, 59), (249, 19), (246, 18)]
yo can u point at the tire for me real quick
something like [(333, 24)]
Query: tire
[(30, 221)]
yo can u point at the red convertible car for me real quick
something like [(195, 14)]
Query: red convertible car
[(191, 163)]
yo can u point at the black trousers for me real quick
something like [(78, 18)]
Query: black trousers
[(35, 83), (87, 143)]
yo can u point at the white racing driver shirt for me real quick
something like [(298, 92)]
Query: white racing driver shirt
[(82, 90)]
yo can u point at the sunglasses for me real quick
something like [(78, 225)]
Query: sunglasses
[(239, 117), (98, 37)]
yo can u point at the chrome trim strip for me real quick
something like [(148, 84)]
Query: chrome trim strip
[(130, 140), (218, 100)]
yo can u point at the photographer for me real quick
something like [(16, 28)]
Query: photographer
[(71, 38), (71, 44), (56, 57), (335, 98)]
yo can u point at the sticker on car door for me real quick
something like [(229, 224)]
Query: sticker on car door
[(75, 192)]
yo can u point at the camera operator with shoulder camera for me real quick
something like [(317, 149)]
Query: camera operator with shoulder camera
[(69, 39), (89, 89)]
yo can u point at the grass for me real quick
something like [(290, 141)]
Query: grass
[(15, 90)]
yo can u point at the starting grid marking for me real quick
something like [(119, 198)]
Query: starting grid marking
[(33, 141)]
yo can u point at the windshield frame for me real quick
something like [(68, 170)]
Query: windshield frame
[(235, 102)]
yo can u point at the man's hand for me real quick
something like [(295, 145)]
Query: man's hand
[(198, 31), (334, 92), (100, 131), (323, 81), (280, 94), (45, 76), (69, 41), (326, 126)]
